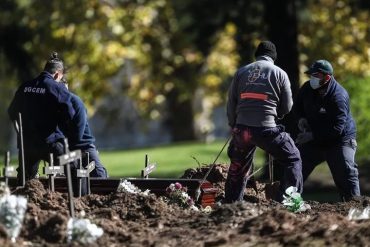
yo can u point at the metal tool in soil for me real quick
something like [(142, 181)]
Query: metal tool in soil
[(271, 188), (198, 191)]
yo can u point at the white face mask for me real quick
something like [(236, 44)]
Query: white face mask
[(315, 82)]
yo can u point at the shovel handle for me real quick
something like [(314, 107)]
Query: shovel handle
[(210, 169), (271, 168)]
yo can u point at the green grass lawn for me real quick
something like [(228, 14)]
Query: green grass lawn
[(172, 160)]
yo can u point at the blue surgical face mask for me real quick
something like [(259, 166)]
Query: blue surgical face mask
[(315, 82)]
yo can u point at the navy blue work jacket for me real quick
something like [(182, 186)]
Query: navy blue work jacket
[(43, 103), (328, 115)]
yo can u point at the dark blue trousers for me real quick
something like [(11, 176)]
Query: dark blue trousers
[(241, 151), (99, 170), (33, 156), (341, 161)]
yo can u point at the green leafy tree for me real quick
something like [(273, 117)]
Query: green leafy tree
[(179, 59), (338, 31), (176, 49), (98, 38), (359, 91)]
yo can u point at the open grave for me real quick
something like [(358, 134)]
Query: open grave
[(150, 220)]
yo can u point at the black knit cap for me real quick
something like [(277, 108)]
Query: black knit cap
[(266, 48)]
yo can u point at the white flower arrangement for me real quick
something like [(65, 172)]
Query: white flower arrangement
[(83, 231), (293, 200), (357, 214), (126, 186), (12, 211)]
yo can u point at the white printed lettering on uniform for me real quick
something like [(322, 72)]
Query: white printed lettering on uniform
[(37, 90), (254, 74), (264, 76)]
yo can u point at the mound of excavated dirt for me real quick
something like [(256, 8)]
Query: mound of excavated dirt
[(255, 191), (136, 220)]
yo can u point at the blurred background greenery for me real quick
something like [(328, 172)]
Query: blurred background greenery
[(170, 50)]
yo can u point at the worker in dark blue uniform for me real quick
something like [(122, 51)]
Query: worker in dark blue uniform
[(44, 103), (328, 131), (80, 136)]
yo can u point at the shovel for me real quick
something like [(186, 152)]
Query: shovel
[(198, 190), (272, 188)]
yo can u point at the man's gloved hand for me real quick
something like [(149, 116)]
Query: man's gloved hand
[(303, 125), (304, 137)]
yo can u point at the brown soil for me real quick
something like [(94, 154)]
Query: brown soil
[(135, 220)]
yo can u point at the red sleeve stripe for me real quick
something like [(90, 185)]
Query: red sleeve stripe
[(258, 96)]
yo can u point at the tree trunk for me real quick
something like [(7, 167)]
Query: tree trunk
[(281, 20), (13, 57), (180, 117), (247, 29)]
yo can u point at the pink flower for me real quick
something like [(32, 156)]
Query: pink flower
[(178, 186), (178, 194), (190, 201)]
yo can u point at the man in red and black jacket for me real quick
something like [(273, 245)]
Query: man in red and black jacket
[(328, 131)]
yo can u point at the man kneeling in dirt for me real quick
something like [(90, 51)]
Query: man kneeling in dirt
[(44, 103), (328, 129), (80, 136), (259, 94)]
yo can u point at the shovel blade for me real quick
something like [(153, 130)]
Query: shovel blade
[(272, 190)]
